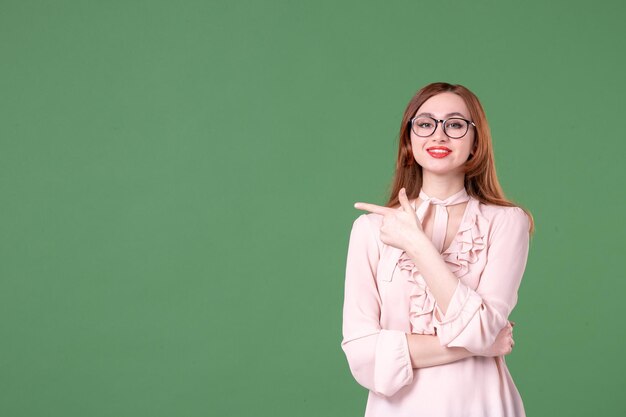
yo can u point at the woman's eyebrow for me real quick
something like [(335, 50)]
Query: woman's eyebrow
[(446, 116)]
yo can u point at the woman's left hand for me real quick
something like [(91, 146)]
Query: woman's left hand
[(400, 225)]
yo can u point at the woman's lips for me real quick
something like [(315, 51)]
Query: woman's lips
[(439, 151)]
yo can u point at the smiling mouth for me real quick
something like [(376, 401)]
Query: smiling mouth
[(439, 152)]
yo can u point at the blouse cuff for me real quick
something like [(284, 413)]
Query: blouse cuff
[(393, 368), (462, 307)]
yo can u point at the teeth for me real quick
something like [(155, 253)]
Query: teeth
[(438, 151)]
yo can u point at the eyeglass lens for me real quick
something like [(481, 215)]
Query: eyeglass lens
[(454, 128)]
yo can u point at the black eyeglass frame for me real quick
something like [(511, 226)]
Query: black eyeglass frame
[(443, 126)]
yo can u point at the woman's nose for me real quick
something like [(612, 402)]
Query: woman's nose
[(439, 134)]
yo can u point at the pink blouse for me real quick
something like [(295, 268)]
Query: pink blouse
[(386, 297)]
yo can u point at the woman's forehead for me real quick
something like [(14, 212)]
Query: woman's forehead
[(444, 105)]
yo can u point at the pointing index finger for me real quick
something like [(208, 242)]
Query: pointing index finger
[(373, 208)]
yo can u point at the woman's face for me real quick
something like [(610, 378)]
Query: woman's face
[(438, 153)]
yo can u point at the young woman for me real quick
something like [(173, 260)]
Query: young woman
[(432, 277)]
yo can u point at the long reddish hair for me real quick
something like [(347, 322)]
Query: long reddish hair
[(481, 181)]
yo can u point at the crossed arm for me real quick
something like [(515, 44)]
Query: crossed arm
[(426, 350)]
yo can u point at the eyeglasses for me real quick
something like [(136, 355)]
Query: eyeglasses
[(454, 127)]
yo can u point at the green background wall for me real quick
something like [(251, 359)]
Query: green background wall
[(177, 181)]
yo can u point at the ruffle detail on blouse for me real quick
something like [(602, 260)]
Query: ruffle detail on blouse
[(467, 244), (421, 301), (464, 250)]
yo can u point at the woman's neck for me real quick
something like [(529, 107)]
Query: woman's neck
[(442, 186)]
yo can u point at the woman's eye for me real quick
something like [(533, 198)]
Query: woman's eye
[(455, 125), (425, 125)]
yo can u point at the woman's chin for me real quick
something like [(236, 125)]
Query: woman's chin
[(441, 170)]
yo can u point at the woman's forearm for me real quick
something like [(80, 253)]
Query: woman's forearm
[(440, 280), (425, 351)]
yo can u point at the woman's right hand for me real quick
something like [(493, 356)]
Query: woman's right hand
[(504, 342)]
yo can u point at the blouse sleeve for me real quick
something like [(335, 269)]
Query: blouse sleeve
[(378, 358), (475, 317)]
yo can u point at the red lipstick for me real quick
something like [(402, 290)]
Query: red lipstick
[(439, 151)]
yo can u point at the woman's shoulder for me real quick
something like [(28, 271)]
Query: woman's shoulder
[(370, 221), (503, 216), (366, 231), (493, 210)]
